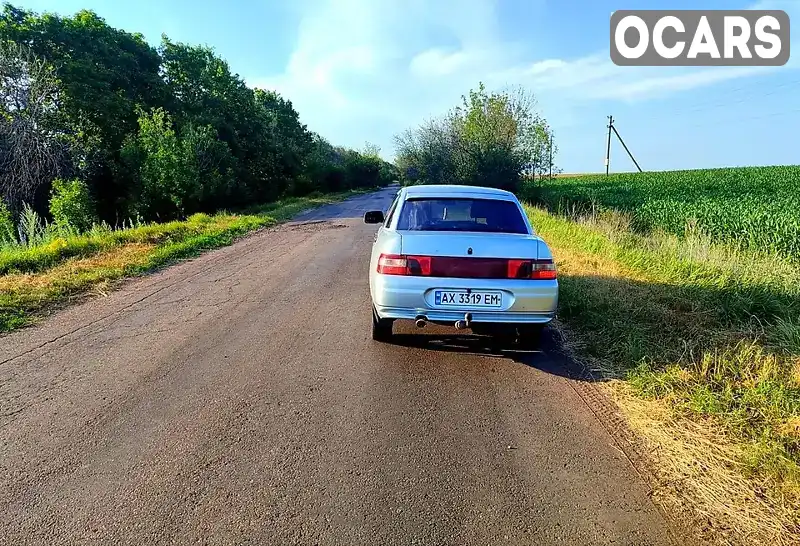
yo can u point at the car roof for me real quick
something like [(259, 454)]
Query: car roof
[(454, 190)]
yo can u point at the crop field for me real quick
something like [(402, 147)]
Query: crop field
[(751, 207)]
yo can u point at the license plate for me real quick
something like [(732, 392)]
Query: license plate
[(462, 298)]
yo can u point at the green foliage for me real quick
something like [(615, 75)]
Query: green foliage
[(178, 174), (707, 329), (31, 230), (154, 155), (492, 139), (24, 296), (104, 73), (71, 205), (7, 236), (207, 161), (166, 132), (752, 207)]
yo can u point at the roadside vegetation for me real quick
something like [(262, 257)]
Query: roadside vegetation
[(116, 157), (753, 208), (492, 139), (35, 279), (700, 345), (680, 292)]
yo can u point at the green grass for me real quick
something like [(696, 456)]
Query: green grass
[(707, 329), (33, 279), (751, 207)]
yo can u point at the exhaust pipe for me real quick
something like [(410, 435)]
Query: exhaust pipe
[(420, 321), (465, 322)]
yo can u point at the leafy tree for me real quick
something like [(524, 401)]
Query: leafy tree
[(158, 132), (491, 139), (154, 156), (324, 165), (104, 73), (71, 205), (206, 159), (282, 145), (372, 150), (32, 151)]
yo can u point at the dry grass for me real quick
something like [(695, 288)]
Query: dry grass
[(80, 270), (33, 279), (701, 476), (23, 294), (699, 345)]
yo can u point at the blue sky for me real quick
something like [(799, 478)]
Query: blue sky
[(363, 70)]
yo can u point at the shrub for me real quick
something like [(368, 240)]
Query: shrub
[(71, 205), (7, 236), (30, 228), (492, 139)]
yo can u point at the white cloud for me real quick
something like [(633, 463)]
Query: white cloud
[(438, 62), (365, 70)]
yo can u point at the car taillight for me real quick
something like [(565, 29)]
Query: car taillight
[(393, 264), (544, 270), (531, 269), (457, 267)]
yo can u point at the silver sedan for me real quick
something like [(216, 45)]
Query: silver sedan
[(464, 256)]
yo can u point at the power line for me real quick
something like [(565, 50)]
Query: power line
[(775, 90), (740, 120), (756, 85)]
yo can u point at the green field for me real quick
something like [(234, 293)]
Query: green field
[(751, 207)]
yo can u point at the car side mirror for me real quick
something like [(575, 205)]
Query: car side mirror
[(374, 217)]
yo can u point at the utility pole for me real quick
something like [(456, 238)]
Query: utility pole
[(608, 143), (626, 148), (551, 156)]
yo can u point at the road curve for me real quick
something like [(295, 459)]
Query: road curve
[(238, 399)]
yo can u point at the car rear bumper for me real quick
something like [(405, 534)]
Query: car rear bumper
[(524, 301), (453, 316)]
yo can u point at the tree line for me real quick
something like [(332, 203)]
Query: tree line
[(114, 128), (495, 139)]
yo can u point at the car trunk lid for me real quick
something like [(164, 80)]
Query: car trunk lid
[(472, 255), (471, 245)]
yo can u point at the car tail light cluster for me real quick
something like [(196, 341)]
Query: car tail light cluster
[(531, 269), (477, 268)]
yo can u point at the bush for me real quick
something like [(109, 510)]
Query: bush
[(30, 228), (181, 174), (7, 236), (71, 205)]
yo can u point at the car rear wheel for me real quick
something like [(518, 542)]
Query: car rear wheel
[(381, 328)]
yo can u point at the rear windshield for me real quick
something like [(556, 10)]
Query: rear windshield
[(482, 215)]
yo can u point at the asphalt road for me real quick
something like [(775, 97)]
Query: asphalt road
[(238, 399)]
